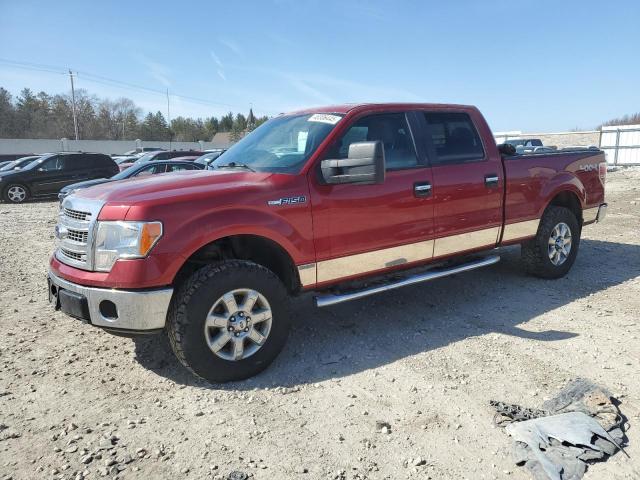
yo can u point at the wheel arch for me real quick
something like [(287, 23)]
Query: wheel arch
[(255, 248), (569, 199)]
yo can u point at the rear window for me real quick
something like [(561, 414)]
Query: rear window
[(454, 138)]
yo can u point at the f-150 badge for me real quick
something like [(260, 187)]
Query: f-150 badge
[(287, 201)]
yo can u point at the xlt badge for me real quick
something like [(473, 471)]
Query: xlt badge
[(287, 201)]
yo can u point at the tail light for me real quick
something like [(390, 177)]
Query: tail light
[(602, 172)]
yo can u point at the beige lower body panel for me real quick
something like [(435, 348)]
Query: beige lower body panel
[(487, 237), (371, 261), (515, 231), (343, 267)]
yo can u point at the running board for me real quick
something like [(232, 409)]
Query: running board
[(326, 300)]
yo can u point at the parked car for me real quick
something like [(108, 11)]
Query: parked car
[(142, 170), (5, 162), (19, 163), (141, 150), (162, 155), (7, 157), (206, 159), (345, 201), (525, 142), (45, 176)]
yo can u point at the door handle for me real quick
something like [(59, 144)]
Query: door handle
[(491, 180), (422, 189)]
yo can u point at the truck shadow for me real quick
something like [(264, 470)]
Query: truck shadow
[(357, 336)]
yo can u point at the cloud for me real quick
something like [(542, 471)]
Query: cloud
[(307, 89), (216, 59), (221, 74), (231, 45), (157, 70)]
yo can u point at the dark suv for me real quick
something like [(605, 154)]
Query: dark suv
[(45, 176)]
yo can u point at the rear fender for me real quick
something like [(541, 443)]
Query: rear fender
[(562, 182)]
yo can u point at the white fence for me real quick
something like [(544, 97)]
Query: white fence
[(18, 145), (621, 144)]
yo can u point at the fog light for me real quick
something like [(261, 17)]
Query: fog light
[(108, 310)]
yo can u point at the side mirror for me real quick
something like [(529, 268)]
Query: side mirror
[(41, 169), (364, 165), (506, 149)]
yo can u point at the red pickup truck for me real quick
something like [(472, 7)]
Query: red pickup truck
[(345, 200)]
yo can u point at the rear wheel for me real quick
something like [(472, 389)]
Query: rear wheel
[(553, 250), (16, 193), (229, 320)]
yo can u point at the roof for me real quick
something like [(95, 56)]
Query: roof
[(347, 107)]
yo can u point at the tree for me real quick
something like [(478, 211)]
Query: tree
[(226, 122), (633, 119), (7, 114), (46, 116)]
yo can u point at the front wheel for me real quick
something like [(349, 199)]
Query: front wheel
[(553, 250), (16, 193), (229, 320)]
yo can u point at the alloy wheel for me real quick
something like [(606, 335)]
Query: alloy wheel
[(17, 194), (238, 324), (559, 246)]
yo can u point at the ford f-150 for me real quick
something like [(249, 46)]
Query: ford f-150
[(345, 201)]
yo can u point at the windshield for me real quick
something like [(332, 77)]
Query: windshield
[(207, 158), (281, 145), (146, 157)]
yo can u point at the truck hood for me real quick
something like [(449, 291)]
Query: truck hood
[(169, 188), (85, 184)]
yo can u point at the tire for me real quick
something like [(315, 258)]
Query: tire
[(15, 193), (545, 260), (204, 297)]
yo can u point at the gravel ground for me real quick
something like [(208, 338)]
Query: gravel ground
[(394, 386)]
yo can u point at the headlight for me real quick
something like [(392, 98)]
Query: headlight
[(115, 240)]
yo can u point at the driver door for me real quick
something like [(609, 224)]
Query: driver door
[(359, 229)]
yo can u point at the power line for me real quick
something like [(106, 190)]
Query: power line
[(110, 82)]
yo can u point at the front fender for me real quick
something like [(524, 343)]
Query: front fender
[(184, 234)]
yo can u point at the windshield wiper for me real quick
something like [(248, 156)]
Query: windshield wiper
[(235, 165)]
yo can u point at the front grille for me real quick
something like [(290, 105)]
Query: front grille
[(78, 236), (77, 215), (78, 257), (75, 226)]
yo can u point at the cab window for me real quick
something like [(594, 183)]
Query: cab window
[(53, 164), (391, 129), (454, 138)]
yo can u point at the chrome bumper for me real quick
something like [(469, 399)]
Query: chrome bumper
[(594, 214), (122, 310)]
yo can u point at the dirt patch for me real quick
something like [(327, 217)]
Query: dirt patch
[(393, 386)]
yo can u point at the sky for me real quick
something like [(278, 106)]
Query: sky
[(533, 66)]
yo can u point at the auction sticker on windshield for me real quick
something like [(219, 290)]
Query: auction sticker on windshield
[(324, 118)]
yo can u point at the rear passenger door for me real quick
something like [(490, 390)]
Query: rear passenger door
[(467, 182)]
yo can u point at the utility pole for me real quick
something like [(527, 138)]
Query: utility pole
[(73, 105), (169, 120)]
